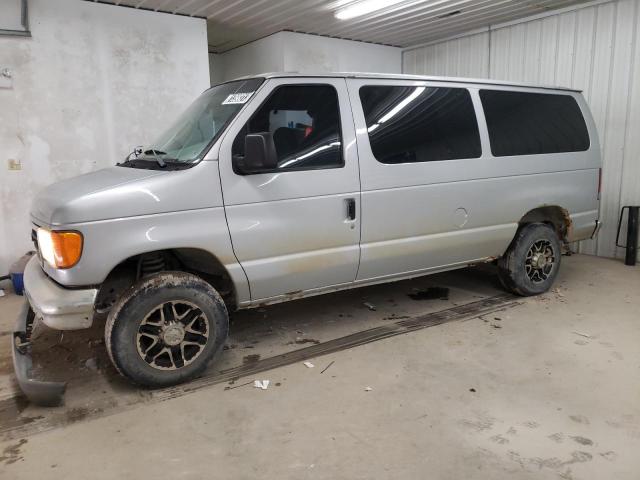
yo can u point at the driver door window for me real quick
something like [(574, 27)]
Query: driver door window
[(304, 123)]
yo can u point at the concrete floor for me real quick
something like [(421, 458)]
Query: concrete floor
[(545, 387)]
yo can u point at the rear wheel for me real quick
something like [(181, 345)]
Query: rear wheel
[(532, 261), (166, 329)]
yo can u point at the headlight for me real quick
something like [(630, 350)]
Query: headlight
[(60, 249)]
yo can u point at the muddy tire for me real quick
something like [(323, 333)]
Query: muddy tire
[(166, 329), (531, 264)]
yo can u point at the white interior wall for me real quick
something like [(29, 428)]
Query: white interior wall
[(299, 52), (314, 53), (92, 82), (264, 55), (596, 48), (215, 69)]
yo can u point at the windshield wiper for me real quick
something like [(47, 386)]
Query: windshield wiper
[(139, 156), (135, 153), (155, 154)]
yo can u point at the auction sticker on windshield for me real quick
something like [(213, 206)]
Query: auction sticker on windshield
[(237, 98)]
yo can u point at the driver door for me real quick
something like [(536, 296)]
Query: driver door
[(296, 227)]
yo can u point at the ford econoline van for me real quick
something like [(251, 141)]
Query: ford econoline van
[(282, 186)]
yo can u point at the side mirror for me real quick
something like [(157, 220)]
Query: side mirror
[(259, 153)]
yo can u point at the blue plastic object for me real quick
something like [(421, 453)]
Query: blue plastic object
[(16, 272), (18, 283)]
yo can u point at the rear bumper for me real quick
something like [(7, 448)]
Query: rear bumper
[(37, 391), (60, 308)]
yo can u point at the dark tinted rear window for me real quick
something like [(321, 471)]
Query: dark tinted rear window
[(420, 124), (522, 123)]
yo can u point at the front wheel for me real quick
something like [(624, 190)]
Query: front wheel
[(166, 329), (532, 261)]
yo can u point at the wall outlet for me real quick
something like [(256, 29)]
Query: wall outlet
[(14, 164)]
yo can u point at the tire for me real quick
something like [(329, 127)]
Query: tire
[(166, 329), (532, 261)]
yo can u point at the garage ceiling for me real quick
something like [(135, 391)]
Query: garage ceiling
[(232, 23)]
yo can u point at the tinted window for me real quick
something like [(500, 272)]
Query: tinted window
[(522, 123), (304, 121), (420, 124)]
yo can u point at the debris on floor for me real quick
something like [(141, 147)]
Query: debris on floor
[(308, 364), (367, 389), (586, 335), (238, 386), (393, 316), (370, 306), (302, 341), (1, 292), (247, 359), (91, 364), (262, 384), (327, 367), (431, 293)]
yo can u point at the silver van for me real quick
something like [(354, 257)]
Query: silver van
[(282, 186)]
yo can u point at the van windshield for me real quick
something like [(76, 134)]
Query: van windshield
[(188, 139)]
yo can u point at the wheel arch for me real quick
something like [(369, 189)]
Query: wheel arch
[(554, 215), (197, 261)]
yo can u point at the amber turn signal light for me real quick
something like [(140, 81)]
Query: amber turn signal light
[(60, 249)]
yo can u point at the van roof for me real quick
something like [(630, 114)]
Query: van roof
[(398, 76)]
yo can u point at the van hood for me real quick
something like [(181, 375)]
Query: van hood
[(117, 192)]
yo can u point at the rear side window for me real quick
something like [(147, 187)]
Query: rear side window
[(522, 123), (420, 124), (304, 122)]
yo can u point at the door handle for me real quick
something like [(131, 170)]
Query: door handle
[(351, 208)]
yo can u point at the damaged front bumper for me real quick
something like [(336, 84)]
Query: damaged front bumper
[(59, 308), (37, 391)]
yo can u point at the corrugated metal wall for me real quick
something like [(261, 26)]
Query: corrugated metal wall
[(595, 48)]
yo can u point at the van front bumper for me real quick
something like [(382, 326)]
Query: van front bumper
[(37, 391), (59, 308)]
